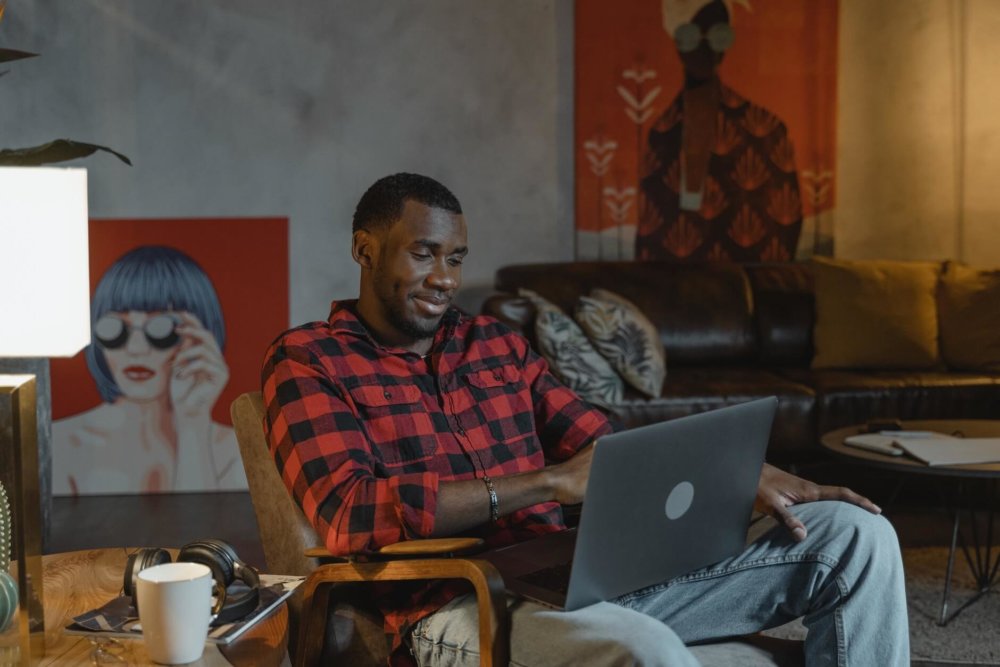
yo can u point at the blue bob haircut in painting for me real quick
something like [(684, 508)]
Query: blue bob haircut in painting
[(151, 278)]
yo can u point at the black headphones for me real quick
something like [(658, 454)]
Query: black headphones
[(226, 569)]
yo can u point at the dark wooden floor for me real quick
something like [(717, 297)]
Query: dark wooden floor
[(174, 520)]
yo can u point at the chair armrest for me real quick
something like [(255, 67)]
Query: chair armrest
[(444, 546), (494, 630)]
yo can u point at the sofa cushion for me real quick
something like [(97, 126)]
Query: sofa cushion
[(969, 318), (625, 337), (689, 391), (784, 312), (844, 397), (571, 356), (875, 314)]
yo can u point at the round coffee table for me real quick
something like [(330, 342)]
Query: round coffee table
[(983, 562)]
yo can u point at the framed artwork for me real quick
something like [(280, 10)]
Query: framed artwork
[(181, 313), (705, 129)]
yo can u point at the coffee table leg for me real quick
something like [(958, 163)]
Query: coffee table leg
[(943, 617), (983, 567)]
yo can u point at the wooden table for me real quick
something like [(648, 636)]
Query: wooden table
[(983, 562), (77, 581)]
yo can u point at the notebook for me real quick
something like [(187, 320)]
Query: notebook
[(662, 500), (947, 451)]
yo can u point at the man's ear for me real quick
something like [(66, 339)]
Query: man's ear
[(364, 248)]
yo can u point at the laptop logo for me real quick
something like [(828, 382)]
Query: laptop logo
[(679, 500)]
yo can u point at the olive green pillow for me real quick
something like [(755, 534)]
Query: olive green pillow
[(875, 314), (969, 318)]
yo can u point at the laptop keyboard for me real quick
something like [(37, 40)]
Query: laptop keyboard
[(553, 578)]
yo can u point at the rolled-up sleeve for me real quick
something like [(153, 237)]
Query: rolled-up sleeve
[(326, 460)]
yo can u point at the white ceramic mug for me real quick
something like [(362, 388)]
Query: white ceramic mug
[(175, 609)]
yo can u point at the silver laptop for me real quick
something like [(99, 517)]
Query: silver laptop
[(662, 500)]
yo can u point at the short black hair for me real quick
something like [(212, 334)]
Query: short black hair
[(382, 204)]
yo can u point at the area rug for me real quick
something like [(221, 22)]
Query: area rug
[(973, 638)]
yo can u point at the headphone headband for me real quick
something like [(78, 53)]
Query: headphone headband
[(226, 569)]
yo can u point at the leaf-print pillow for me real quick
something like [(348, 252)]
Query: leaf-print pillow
[(626, 338), (571, 356)]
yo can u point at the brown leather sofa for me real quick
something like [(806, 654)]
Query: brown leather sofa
[(733, 333)]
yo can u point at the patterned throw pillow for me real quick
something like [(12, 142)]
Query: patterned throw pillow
[(571, 356), (626, 338)]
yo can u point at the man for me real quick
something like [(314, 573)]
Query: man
[(401, 418)]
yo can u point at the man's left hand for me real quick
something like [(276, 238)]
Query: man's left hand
[(779, 490)]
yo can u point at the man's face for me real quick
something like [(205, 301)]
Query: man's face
[(417, 270)]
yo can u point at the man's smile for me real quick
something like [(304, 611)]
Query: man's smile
[(432, 304)]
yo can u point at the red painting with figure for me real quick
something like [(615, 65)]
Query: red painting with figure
[(182, 312), (705, 129)]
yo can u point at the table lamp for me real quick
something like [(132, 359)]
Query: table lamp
[(44, 312)]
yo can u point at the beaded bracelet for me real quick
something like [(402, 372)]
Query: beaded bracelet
[(494, 503)]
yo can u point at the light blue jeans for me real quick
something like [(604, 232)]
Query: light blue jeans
[(845, 579)]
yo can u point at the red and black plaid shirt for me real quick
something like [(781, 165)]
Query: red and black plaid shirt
[(364, 434)]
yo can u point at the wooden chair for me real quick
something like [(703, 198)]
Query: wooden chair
[(335, 619), (332, 619)]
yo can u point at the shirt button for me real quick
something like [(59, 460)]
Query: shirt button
[(387, 394), (496, 376), (461, 430)]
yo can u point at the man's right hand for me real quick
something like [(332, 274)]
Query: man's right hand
[(569, 478)]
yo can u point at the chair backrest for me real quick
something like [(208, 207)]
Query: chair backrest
[(285, 533), (353, 636)]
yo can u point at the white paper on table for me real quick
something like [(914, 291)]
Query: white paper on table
[(952, 451)]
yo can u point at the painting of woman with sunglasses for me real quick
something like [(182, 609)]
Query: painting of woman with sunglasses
[(720, 179), (156, 357)]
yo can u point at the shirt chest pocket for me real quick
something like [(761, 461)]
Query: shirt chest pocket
[(397, 424), (489, 380), (499, 399)]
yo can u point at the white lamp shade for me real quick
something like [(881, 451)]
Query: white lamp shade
[(44, 262)]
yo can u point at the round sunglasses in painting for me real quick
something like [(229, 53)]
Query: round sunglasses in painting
[(160, 332), (688, 37)]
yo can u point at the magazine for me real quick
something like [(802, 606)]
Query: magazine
[(118, 618)]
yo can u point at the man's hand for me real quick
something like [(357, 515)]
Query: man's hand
[(779, 490), (569, 478)]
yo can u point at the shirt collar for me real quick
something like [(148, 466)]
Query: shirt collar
[(344, 320)]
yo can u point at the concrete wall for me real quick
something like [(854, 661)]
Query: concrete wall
[(252, 107), (979, 232), (918, 131)]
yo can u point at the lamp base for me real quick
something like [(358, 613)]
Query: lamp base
[(43, 424), (18, 436)]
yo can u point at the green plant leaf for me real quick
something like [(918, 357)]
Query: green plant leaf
[(59, 150), (6, 55)]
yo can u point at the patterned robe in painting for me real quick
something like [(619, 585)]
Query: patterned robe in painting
[(750, 209)]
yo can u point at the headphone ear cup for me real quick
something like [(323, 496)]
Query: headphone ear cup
[(226, 568), (136, 563)]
